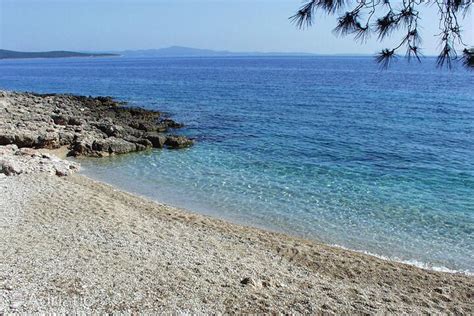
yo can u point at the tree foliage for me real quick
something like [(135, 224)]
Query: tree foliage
[(364, 18)]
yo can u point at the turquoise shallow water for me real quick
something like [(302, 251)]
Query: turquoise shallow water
[(327, 148)]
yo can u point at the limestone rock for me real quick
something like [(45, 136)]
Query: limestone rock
[(249, 281), (6, 138), (176, 142), (171, 123), (75, 121), (157, 140), (25, 139), (48, 140), (15, 161), (113, 145), (110, 129), (60, 119), (88, 126)]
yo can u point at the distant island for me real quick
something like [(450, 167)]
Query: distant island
[(172, 51), (180, 51), (10, 54)]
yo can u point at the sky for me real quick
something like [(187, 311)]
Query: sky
[(234, 25)]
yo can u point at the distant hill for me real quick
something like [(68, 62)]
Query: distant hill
[(10, 54), (179, 51)]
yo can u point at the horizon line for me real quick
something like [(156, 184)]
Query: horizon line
[(223, 52)]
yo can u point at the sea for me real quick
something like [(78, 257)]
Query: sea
[(327, 148)]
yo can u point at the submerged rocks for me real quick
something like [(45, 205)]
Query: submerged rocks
[(88, 126)]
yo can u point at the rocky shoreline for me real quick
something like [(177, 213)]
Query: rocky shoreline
[(88, 126)]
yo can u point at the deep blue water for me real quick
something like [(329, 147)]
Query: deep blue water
[(328, 148)]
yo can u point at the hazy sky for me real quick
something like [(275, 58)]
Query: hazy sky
[(236, 25)]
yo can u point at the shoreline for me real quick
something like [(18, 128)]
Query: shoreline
[(76, 227), (88, 126), (73, 243), (263, 229), (409, 262)]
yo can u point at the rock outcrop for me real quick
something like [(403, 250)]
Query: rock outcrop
[(15, 161), (89, 126)]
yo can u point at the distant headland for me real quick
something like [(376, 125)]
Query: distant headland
[(181, 51), (10, 54), (172, 51)]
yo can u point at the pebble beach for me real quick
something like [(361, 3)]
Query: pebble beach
[(70, 244)]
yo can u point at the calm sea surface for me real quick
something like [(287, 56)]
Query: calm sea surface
[(327, 148)]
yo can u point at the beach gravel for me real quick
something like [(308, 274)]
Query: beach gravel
[(73, 245)]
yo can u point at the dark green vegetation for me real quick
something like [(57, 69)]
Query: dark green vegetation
[(10, 54), (388, 18)]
